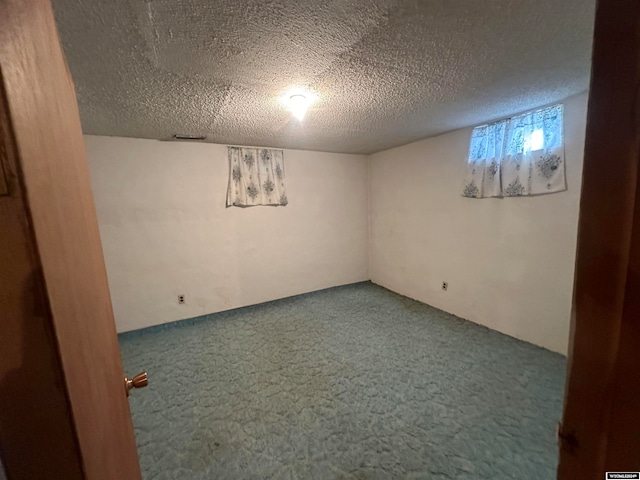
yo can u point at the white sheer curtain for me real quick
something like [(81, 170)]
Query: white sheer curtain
[(256, 177), (485, 161), (523, 155), (534, 157)]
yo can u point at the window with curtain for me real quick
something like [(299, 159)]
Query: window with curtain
[(256, 177), (523, 155)]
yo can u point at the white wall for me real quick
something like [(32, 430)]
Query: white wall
[(509, 262), (165, 229)]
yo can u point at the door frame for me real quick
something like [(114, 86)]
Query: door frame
[(600, 429)]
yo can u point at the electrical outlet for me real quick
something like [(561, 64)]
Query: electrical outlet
[(181, 299), (445, 285)]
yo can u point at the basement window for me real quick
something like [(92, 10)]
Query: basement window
[(518, 156), (256, 177)]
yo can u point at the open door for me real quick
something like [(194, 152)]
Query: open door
[(600, 429), (63, 407)]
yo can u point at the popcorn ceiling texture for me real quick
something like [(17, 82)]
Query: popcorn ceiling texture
[(388, 72), (354, 383)]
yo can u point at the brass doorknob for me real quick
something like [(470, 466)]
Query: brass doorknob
[(139, 381)]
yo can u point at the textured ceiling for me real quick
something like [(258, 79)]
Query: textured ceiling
[(386, 72)]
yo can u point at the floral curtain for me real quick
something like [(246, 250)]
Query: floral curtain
[(523, 155), (484, 168), (256, 177)]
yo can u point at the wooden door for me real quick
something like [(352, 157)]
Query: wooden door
[(63, 407), (601, 424)]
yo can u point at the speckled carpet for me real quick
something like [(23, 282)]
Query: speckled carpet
[(353, 382)]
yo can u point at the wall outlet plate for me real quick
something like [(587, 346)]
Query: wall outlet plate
[(181, 299), (445, 285)]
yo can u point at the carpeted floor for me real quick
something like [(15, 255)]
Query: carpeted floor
[(353, 382)]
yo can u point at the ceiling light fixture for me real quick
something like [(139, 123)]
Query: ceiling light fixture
[(298, 106), (297, 101)]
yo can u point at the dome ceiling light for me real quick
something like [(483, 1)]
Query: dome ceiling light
[(298, 101)]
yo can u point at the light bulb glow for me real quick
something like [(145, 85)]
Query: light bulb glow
[(535, 141), (297, 101), (298, 106)]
